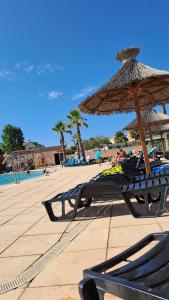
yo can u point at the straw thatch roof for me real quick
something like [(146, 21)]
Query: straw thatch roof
[(150, 118), (160, 129), (115, 96)]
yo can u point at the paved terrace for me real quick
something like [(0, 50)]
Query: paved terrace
[(26, 234)]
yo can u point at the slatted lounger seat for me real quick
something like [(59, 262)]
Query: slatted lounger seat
[(153, 164), (145, 189), (137, 178), (146, 278), (152, 175)]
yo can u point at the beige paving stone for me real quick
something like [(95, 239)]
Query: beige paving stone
[(111, 252), (165, 226), (29, 245), (12, 211), (68, 268), (163, 219), (98, 224), (4, 219), (12, 295), (13, 266), (6, 240), (18, 199), (24, 219), (88, 239), (47, 227), (14, 229), (24, 204), (110, 297), (127, 236), (37, 211), (52, 293), (128, 220)]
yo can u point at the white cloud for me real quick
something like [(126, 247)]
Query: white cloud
[(6, 74), (24, 66), (48, 68), (54, 94), (18, 65), (29, 69), (84, 92)]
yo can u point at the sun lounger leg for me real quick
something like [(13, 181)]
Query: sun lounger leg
[(164, 193), (63, 209), (131, 207), (146, 204), (87, 290)]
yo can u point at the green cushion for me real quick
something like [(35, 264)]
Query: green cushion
[(115, 170)]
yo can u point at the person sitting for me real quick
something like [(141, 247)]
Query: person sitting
[(121, 156), (117, 156)]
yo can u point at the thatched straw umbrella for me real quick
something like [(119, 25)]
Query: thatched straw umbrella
[(150, 119), (133, 87), (160, 129)]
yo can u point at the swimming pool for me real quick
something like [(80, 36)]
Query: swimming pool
[(20, 176)]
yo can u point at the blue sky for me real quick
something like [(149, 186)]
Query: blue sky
[(54, 53)]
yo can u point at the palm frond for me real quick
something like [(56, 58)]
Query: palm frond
[(84, 124)]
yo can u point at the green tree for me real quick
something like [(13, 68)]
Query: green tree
[(95, 142), (77, 120), (12, 139), (120, 137), (135, 134), (62, 128), (38, 145)]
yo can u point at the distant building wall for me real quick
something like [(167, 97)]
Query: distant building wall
[(39, 156), (47, 157), (111, 152)]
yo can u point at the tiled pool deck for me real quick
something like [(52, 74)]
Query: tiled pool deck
[(26, 234)]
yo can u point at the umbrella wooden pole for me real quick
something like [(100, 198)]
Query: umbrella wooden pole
[(140, 123)]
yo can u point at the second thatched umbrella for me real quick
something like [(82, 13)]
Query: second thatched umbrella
[(160, 129), (133, 87), (151, 119)]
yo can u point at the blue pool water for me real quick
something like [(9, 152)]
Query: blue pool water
[(20, 176)]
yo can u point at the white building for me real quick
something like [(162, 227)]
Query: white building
[(28, 145)]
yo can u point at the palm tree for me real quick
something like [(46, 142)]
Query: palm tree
[(62, 128), (120, 137), (76, 144), (135, 134), (78, 121)]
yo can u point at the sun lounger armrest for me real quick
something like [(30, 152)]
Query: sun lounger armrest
[(130, 251), (96, 283)]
